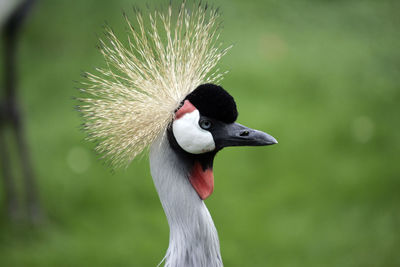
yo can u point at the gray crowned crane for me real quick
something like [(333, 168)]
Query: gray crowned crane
[(160, 91)]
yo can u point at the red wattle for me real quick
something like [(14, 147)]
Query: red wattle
[(202, 180)]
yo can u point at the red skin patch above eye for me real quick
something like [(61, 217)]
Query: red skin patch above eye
[(202, 180), (186, 108)]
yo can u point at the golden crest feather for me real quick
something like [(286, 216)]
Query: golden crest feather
[(131, 101)]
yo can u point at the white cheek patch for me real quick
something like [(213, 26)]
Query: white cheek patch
[(190, 136)]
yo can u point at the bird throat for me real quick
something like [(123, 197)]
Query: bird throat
[(182, 180), (201, 174)]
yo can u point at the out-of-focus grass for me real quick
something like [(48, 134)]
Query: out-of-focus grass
[(321, 76)]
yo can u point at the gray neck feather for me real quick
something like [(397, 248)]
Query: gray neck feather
[(193, 240)]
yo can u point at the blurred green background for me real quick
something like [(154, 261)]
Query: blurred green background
[(323, 77)]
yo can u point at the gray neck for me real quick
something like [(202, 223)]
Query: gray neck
[(193, 238)]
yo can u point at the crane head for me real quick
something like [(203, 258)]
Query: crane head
[(163, 80), (203, 125)]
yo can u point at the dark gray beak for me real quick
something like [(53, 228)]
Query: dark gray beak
[(235, 134)]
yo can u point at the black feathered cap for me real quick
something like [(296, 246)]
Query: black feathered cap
[(214, 102)]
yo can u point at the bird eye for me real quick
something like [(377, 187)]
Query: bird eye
[(205, 124)]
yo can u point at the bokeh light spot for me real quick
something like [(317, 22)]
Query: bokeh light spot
[(272, 46), (78, 159), (363, 129)]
